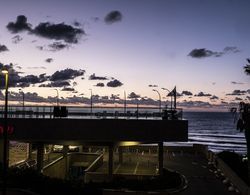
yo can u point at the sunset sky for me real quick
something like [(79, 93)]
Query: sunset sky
[(112, 46)]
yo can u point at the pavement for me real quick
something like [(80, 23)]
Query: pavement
[(200, 175)]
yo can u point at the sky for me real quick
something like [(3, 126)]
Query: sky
[(116, 48)]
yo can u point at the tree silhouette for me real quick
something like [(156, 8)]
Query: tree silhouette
[(244, 120), (247, 67)]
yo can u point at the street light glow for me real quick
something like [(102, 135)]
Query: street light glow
[(5, 71)]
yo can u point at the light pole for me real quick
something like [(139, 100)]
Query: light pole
[(21, 91), (159, 99), (125, 103), (57, 99), (5, 133), (91, 101), (169, 94)]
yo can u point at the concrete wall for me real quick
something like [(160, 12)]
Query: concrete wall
[(57, 168), (98, 130)]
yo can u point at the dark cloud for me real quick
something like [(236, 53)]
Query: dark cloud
[(49, 60), (186, 93), (201, 94), (19, 25), (100, 85), (66, 74), (3, 48), (29, 79), (57, 46), (203, 52), (230, 49), (76, 23), (214, 97), (114, 83), (16, 39), (133, 95), (114, 97), (237, 83), (59, 31), (152, 85), (238, 99), (93, 77), (68, 89), (59, 83), (237, 92), (112, 17)]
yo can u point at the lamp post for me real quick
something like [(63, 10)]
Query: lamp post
[(57, 98), (125, 103), (5, 133), (91, 101), (169, 94), (159, 99), (21, 91)]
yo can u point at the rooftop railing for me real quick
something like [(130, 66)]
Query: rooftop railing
[(94, 113)]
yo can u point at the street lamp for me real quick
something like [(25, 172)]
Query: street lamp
[(91, 101), (125, 102), (5, 133), (159, 99), (21, 91), (169, 94), (57, 99)]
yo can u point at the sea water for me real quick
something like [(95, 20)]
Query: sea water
[(217, 130)]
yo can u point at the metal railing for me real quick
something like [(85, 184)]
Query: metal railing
[(95, 113)]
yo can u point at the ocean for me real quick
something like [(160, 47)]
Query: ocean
[(215, 129)]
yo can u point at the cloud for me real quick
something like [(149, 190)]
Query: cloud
[(59, 83), (201, 94), (68, 89), (93, 77), (66, 74), (36, 67), (230, 49), (203, 52), (59, 31), (49, 60), (114, 97), (19, 25), (3, 48), (57, 46), (237, 92), (99, 85), (192, 104), (238, 99), (237, 83), (112, 17), (114, 83), (152, 85), (16, 39), (214, 97), (133, 95), (186, 93)]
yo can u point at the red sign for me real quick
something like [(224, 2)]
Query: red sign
[(10, 129)]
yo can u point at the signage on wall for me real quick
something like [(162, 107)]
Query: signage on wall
[(10, 129)]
